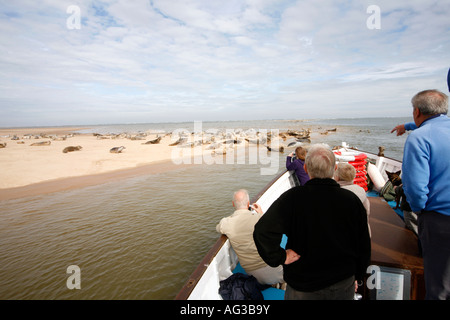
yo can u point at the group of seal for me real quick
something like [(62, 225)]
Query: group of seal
[(221, 141), (76, 148)]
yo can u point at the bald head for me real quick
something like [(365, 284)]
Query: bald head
[(241, 199)]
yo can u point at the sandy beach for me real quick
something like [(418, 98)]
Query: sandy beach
[(28, 169), (33, 162)]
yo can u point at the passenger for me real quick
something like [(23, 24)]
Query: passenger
[(239, 229), (344, 175), (426, 181), (328, 243), (297, 164)]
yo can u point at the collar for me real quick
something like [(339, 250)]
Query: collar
[(323, 182), (345, 183), (432, 117), (241, 211)]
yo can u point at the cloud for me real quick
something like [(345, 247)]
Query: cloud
[(147, 61)]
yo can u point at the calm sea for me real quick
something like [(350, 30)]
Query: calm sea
[(142, 237)]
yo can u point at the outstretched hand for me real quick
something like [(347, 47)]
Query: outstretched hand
[(400, 129)]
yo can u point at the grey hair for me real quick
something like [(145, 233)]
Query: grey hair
[(320, 161), (241, 199), (431, 102)]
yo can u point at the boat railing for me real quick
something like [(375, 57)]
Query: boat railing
[(385, 164), (283, 182)]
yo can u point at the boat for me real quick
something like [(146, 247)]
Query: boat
[(396, 269)]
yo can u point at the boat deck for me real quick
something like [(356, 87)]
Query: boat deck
[(394, 246)]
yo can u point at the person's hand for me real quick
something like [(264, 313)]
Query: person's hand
[(257, 208), (400, 129), (291, 256)]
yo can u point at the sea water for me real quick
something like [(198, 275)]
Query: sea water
[(141, 238)]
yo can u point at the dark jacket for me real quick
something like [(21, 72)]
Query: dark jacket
[(326, 225), (241, 286)]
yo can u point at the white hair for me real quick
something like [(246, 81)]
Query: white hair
[(431, 102), (320, 161)]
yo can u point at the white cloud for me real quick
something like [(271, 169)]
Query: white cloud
[(138, 61)]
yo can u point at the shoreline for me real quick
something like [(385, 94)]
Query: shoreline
[(38, 130)]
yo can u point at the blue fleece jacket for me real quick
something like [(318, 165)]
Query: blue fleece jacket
[(410, 126), (426, 166)]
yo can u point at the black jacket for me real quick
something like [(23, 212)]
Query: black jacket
[(326, 225), (241, 286)]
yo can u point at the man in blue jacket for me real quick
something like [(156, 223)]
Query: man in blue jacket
[(426, 182)]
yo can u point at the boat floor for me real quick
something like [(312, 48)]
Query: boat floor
[(392, 243)]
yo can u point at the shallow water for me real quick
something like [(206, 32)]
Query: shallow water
[(142, 237), (135, 239)]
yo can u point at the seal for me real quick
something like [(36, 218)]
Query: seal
[(381, 151), (179, 141), (154, 141), (117, 149), (279, 149), (295, 144), (2, 144), (72, 148), (43, 143)]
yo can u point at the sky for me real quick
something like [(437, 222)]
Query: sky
[(86, 62)]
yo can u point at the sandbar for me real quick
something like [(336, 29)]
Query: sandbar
[(28, 170)]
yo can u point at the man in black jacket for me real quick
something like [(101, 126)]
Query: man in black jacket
[(328, 247)]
